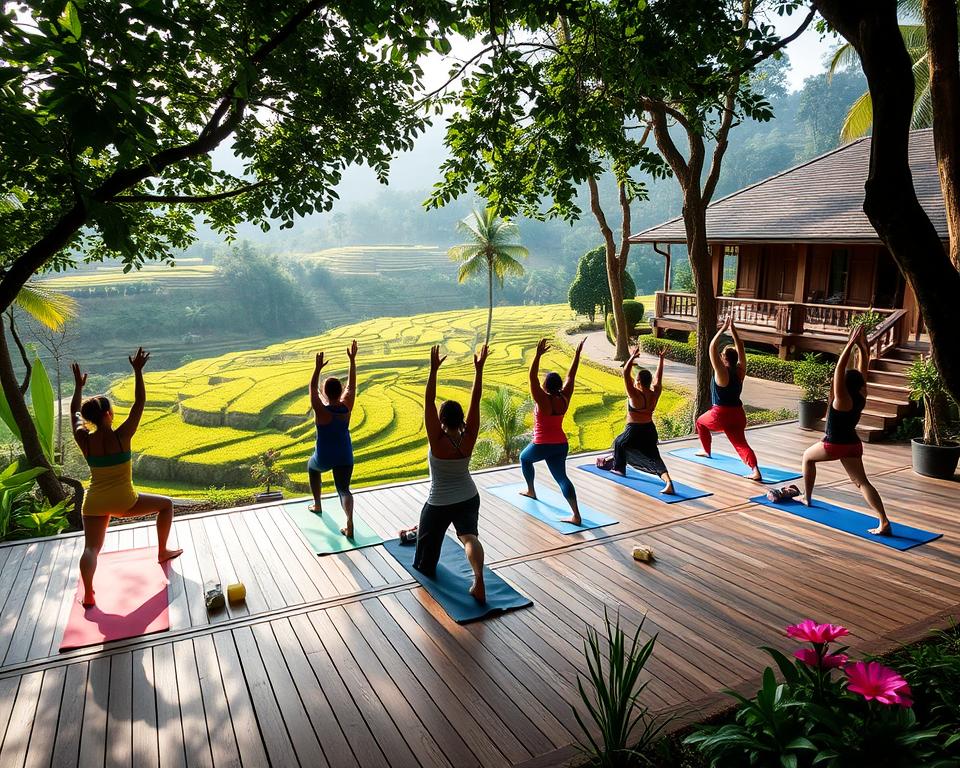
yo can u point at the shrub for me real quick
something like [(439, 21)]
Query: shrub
[(225, 498), (267, 471), (813, 377), (755, 418), (770, 367), (677, 351), (867, 320), (633, 311)]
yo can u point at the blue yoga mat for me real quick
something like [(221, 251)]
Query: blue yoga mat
[(734, 466), (902, 536), (451, 585), (550, 507), (649, 485)]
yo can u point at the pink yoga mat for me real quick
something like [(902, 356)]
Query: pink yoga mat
[(131, 592)]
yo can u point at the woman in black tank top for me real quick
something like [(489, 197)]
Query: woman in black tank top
[(840, 441)]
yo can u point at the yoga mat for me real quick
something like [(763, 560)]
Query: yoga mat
[(323, 531), (451, 585), (649, 485), (550, 507), (131, 592), (734, 466), (902, 537)]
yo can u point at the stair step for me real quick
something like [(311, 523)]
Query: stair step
[(890, 364), (867, 433), (887, 377), (888, 406), (878, 420), (889, 391), (905, 353)]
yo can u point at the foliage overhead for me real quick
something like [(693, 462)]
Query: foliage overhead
[(110, 112)]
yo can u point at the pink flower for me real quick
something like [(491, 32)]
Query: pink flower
[(829, 661), (811, 632), (874, 681)]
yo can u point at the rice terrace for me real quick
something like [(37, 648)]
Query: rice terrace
[(206, 421)]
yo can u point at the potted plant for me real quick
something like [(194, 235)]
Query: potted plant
[(267, 471), (933, 454), (814, 378)]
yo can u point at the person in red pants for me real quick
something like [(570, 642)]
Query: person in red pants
[(727, 414)]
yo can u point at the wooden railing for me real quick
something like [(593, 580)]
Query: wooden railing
[(787, 317), (889, 334)]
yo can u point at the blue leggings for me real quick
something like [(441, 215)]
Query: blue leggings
[(555, 454)]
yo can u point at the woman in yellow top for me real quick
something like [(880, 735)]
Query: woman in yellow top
[(111, 492)]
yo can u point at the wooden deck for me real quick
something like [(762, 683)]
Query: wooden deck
[(344, 661)]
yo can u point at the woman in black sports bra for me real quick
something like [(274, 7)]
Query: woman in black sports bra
[(840, 440), (637, 444)]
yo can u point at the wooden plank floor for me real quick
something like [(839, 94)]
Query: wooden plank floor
[(343, 661)]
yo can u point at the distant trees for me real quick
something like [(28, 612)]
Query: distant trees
[(590, 290), (504, 415), (492, 248)]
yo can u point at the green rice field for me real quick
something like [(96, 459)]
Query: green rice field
[(207, 421)]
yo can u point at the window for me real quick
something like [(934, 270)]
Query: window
[(731, 259), (839, 271)]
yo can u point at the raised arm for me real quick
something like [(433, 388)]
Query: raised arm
[(536, 391), (841, 398), (473, 414), (431, 418), (628, 384), (863, 363), (80, 432), (572, 373), (130, 424), (738, 343), (657, 384), (315, 402), (350, 395), (719, 369)]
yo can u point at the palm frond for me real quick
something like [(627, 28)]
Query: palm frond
[(915, 39), (922, 98), (465, 252), (844, 56), (49, 308), (910, 9), (859, 119)]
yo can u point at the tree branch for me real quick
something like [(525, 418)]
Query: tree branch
[(174, 199), (25, 384), (781, 44), (666, 144)]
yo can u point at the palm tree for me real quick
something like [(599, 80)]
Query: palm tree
[(494, 248), (859, 118), (504, 415)]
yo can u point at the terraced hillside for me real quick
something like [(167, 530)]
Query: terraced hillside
[(189, 273), (207, 421), (381, 260)]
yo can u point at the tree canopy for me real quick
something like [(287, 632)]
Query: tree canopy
[(589, 290)]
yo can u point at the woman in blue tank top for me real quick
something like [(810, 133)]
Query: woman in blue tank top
[(334, 452)]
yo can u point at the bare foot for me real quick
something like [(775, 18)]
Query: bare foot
[(478, 591), (347, 530), (882, 530), (667, 489), (703, 453), (529, 494), (756, 476), (804, 500), (315, 508), (573, 520), (168, 554), (618, 472), (89, 601)]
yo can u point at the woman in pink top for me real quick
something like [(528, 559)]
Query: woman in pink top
[(551, 401)]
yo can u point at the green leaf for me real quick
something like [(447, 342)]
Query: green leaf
[(70, 20), (7, 415), (41, 393)]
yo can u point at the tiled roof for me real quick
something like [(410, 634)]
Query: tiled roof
[(820, 200)]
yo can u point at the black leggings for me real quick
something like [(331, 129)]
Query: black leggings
[(434, 521), (637, 446)]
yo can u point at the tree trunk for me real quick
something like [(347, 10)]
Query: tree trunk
[(614, 275), (490, 300), (695, 224), (871, 26), (940, 18), (49, 485)]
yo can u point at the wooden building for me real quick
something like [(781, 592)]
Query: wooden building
[(801, 259)]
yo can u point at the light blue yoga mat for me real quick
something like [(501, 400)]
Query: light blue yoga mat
[(550, 507), (902, 537), (734, 466), (323, 531), (452, 583), (649, 485)]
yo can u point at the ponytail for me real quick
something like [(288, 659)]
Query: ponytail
[(93, 410)]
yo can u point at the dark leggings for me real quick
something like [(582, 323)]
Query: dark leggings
[(555, 454), (435, 519), (637, 446), (341, 478)]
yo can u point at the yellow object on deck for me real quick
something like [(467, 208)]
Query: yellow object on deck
[(236, 593), (643, 554)]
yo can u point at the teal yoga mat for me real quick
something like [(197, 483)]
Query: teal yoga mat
[(450, 587), (323, 531), (902, 537), (648, 485), (734, 466), (550, 508)]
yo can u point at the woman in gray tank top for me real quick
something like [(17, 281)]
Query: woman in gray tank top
[(453, 498)]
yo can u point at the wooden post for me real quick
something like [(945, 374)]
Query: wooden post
[(800, 287), (717, 269)]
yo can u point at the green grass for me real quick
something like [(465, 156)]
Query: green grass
[(240, 404)]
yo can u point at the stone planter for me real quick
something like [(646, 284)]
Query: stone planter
[(810, 412), (935, 460)]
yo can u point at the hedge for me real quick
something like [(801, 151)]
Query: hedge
[(767, 367)]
